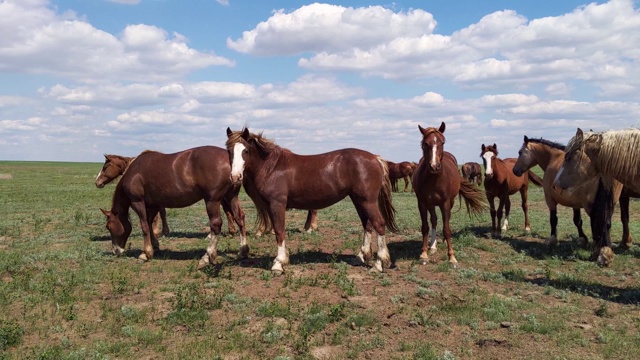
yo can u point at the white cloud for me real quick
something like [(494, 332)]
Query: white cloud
[(35, 39)]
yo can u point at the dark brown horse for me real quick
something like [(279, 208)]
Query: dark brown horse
[(155, 180), (276, 179), (402, 170), (500, 182), (472, 172), (115, 165), (436, 182)]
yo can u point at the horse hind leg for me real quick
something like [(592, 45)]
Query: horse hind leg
[(145, 225), (232, 208), (311, 224), (215, 224), (525, 209), (625, 243), (507, 211), (577, 221), (446, 233)]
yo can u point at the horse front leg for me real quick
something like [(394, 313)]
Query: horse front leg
[(152, 217), (165, 224), (625, 243), (494, 215), (147, 249), (446, 232), (233, 206), (277, 215), (424, 213), (215, 225), (507, 210), (406, 183), (226, 207), (525, 209), (577, 221), (311, 224)]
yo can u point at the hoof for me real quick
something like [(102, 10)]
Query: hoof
[(605, 256), (624, 246), (277, 268), (432, 251), (377, 267), (244, 252), (143, 257), (527, 229), (363, 258), (552, 241), (424, 261), (583, 242)]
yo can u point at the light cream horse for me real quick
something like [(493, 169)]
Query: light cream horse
[(590, 155)]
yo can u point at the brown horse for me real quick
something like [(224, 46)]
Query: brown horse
[(437, 182), (549, 156), (155, 180), (276, 179), (472, 172), (500, 182), (402, 170), (115, 165)]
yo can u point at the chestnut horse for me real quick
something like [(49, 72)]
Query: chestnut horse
[(155, 180), (402, 170), (500, 182), (276, 179), (115, 165), (436, 182), (472, 172)]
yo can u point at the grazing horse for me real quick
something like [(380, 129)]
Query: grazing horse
[(402, 170), (472, 172), (115, 165), (579, 167), (437, 182), (155, 180), (500, 182), (276, 179)]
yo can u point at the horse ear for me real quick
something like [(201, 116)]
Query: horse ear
[(105, 212), (442, 127), (495, 146), (483, 147), (229, 132), (526, 139), (245, 134), (579, 135), (421, 129)]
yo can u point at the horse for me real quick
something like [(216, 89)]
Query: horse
[(549, 156), (436, 182), (276, 179), (155, 180), (579, 167), (115, 165), (472, 172), (402, 170), (500, 182)]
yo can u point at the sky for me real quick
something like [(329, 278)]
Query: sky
[(83, 78)]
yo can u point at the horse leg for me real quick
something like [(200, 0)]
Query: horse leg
[(372, 213), (215, 224), (577, 221), (553, 221), (165, 224), (507, 211), (237, 214), (226, 207), (277, 214), (311, 224), (424, 212), (433, 217), (625, 243), (525, 209), (499, 213), (406, 183), (445, 209), (140, 209), (364, 255), (152, 217), (494, 214)]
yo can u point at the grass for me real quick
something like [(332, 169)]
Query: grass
[(63, 295)]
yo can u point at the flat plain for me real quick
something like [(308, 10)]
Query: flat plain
[(63, 295)]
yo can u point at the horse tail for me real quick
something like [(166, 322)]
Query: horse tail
[(535, 178), (384, 198), (473, 197)]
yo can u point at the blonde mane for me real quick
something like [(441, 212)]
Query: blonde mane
[(617, 152)]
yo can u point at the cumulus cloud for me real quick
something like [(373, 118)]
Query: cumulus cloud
[(35, 39)]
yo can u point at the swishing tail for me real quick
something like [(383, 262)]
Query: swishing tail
[(474, 198), (384, 198), (535, 178)]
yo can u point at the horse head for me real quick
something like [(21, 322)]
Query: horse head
[(120, 228), (577, 167), (526, 160), (114, 166), (237, 146), (433, 146), (488, 154)]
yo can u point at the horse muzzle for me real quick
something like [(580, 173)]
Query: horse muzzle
[(236, 179)]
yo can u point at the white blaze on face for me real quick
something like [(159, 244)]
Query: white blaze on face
[(237, 167), (488, 156), (434, 151)]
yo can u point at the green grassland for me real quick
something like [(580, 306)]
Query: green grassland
[(63, 295)]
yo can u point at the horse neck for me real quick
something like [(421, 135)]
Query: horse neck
[(263, 164), (544, 155), (121, 202)]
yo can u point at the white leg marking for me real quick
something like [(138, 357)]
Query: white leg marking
[(117, 250), (212, 252), (433, 242), (505, 224), (283, 256), (365, 250)]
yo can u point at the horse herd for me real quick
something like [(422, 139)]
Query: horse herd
[(581, 176)]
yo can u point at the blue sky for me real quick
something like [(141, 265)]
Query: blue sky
[(82, 78)]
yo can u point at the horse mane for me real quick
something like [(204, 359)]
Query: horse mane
[(548, 143), (617, 151)]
